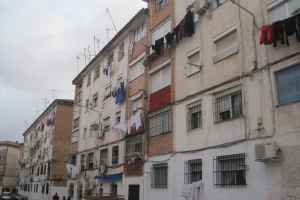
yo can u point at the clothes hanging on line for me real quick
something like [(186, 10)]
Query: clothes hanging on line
[(189, 23), (266, 36), (159, 46), (120, 96), (290, 28), (298, 25), (184, 190)]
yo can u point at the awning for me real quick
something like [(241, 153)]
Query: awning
[(110, 177)]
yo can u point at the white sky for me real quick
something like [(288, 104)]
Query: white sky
[(39, 44)]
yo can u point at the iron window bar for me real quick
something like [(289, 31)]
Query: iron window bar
[(160, 175), (192, 171), (194, 116)]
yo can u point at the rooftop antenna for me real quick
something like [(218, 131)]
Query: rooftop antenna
[(84, 58), (94, 45), (53, 93), (88, 52), (98, 43), (107, 11)]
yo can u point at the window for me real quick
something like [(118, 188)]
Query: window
[(139, 33), (47, 188), (217, 3), (2, 157), (90, 161), (160, 4), (71, 190), (230, 171), (192, 171), (114, 188), (106, 124), (107, 91), (161, 79), (115, 155), (193, 59), (97, 73), (86, 105), (288, 85), (1, 168), (84, 134), (121, 52), (161, 31), (280, 10), (136, 69), (228, 104), (88, 80), (74, 136), (79, 191), (95, 100), (134, 148), (110, 58), (194, 116), (73, 160), (103, 157), (3, 147), (136, 105), (159, 122), (92, 131), (118, 117), (82, 157), (226, 44), (160, 175)]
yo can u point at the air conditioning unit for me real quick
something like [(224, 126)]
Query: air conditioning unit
[(150, 52), (266, 150), (100, 134), (201, 6), (101, 169)]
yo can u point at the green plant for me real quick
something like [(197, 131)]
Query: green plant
[(296, 11)]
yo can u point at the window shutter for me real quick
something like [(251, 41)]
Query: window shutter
[(141, 67), (133, 71), (166, 76), (227, 42), (194, 59), (155, 82), (278, 13), (137, 104)]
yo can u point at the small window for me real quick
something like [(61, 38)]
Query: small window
[(280, 11), (90, 161), (121, 52), (192, 171), (73, 160), (107, 124), (288, 85), (161, 32), (3, 147), (84, 134), (159, 122), (1, 168), (88, 80), (103, 157), (160, 4), (115, 155), (228, 104), (194, 116), (118, 117), (114, 189), (107, 91), (226, 44), (82, 161), (119, 79), (139, 33), (136, 70), (74, 137), (161, 79), (71, 190), (194, 61), (86, 105), (160, 175), (95, 100), (92, 130), (97, 73), (136, 105), (230, 171), (134, 148)]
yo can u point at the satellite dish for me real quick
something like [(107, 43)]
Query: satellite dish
[(87, 178), (96, 127)]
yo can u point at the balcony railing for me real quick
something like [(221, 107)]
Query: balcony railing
[(225, 54)]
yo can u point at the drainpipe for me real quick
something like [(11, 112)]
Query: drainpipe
[(253, 33)]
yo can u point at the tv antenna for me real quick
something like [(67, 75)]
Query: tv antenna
[(98, 43), (107, 11), (45, 101)]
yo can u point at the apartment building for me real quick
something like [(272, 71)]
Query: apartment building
[(219, 101), (45, 152), (9, 166), (102, 143)]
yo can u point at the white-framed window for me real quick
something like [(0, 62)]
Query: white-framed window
[(76, 113), (160, 32), (88, 80), (136, 105), (280, 9), (92, 129), (193, 58), (119, 79), (159, 122), (136, 69), (217, 3), (228, 104), (3, 147), (139, 33), (194, 115), (134, 147), (103, 157), (161, 79), (74, 136), (82, 161), (84, 133), (87, 105), (97, 73), (90, 161), (1, 168), (106, 123), (288, 85), (160, 4), (226, 44), (160, 175), (115, 155), (118, 116), (95, 100), (107, 91)]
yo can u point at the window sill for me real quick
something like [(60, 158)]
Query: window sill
[(226, 54), (231, 119), (194, 129), (289, 103), (160, 134), (193, 73), (137, 77)]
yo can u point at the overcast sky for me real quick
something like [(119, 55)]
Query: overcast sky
[(39, 42)]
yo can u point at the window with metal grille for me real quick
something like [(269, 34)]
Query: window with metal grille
[(114, 189), (288, 85), (192, 171), (79, 191), (82, 157), (230, 171), (159, 122), (104, 157), (73, 160), (107, 124), (194, 115), (71, 190), (160, 4), (90, 161), (118, 117), (134, 148), (159, 175), (228, 104), (88, 80), (97, 73), (115, 155)]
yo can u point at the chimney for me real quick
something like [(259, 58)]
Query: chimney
[(17, 142)]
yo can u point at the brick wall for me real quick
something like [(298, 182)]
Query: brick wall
[(61, 143), (74, 147), (138, 48), (160, 15), (135, 169), (161, 144), (160, 98)]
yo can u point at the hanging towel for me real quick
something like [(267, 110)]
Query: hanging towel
[(266, 36), (129, 126), (197, 186), (113, 66), (184, 190), (137, 117), (120, 96)]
